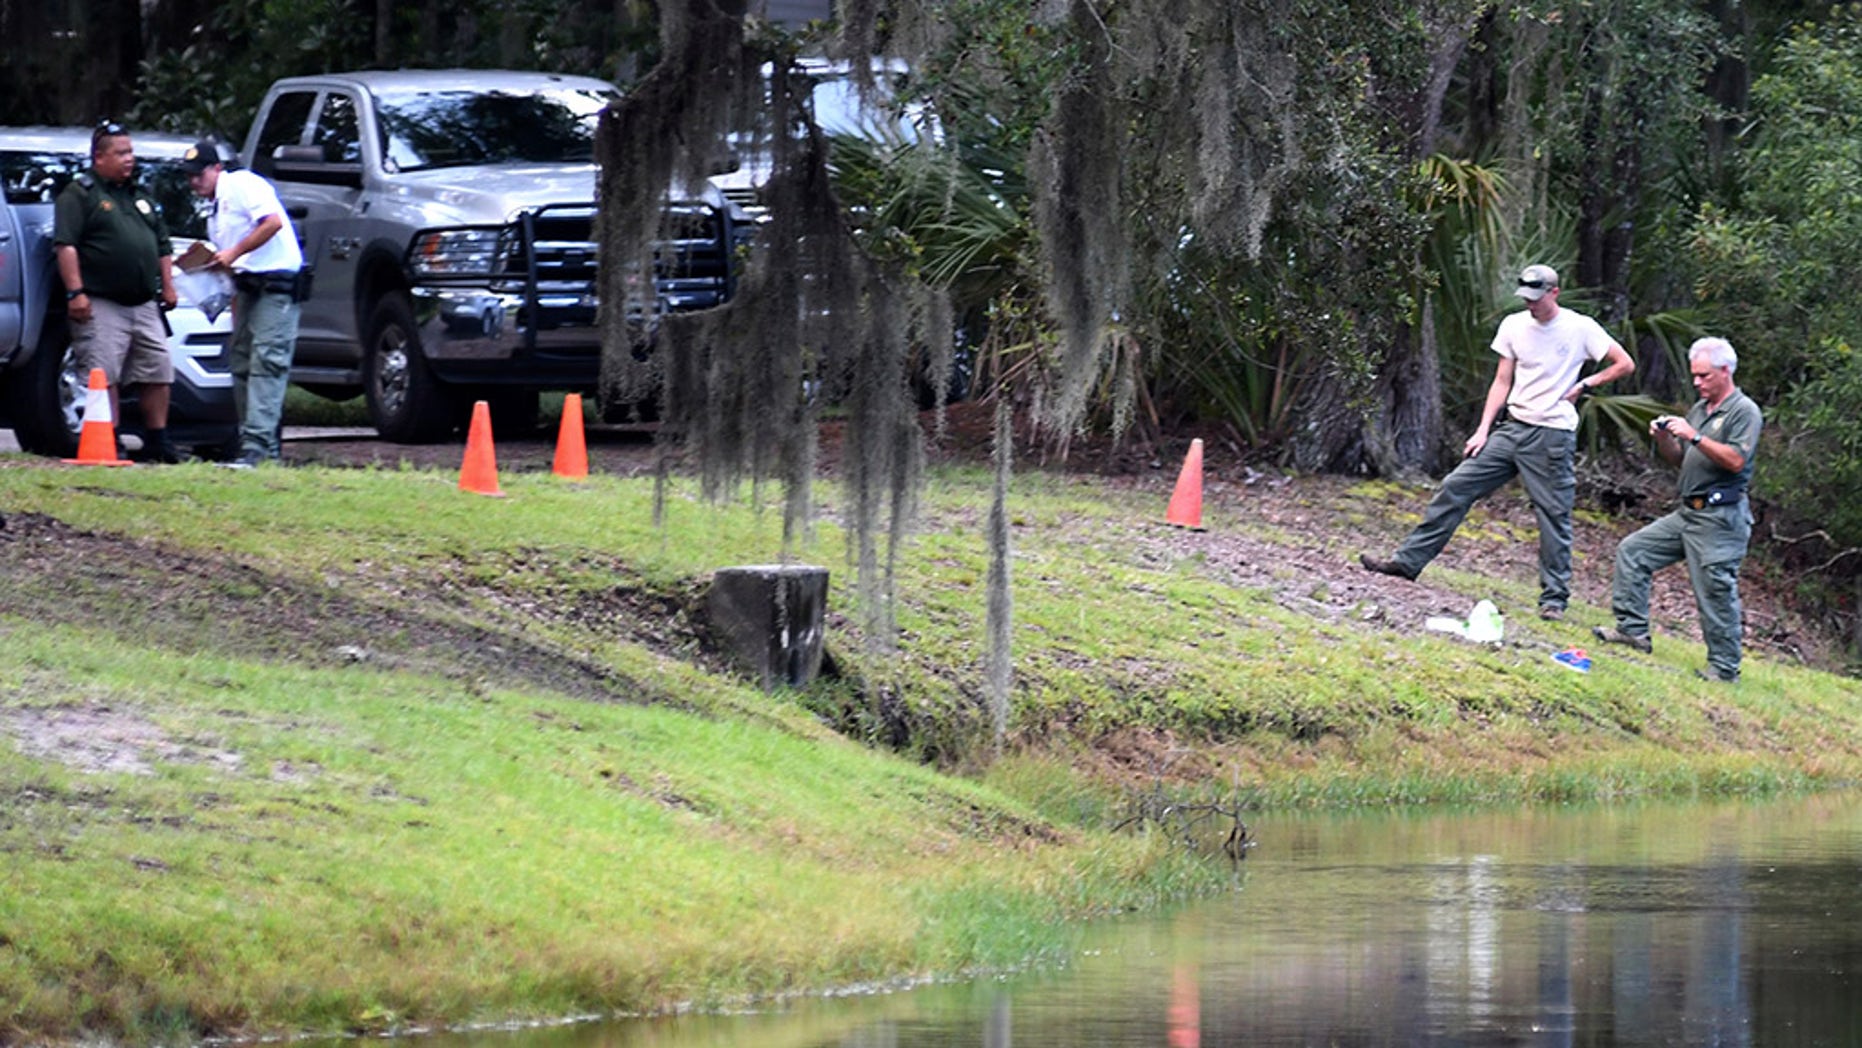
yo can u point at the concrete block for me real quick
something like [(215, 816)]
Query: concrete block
[(768, 619)]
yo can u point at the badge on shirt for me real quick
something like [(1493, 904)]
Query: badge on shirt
[(142, 206), (107, 206)]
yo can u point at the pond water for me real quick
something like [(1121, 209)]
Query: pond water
[(1723, 924)]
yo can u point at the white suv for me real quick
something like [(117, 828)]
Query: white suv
[(41, 389)]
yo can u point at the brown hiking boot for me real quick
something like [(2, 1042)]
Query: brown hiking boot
[(1551, 612), (1612, 635), (1385, 567)]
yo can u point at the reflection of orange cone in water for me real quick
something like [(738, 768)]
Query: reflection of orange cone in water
[(571, 451), (97, 439), (1185, 1008), (479, 475), (1186, 506)]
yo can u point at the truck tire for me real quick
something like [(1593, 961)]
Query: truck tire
[(48, 395), (406, 402)]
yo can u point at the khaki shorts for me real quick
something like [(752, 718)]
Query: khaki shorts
[(127, 342)]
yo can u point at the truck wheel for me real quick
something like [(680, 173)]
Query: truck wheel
[(407, 404), (48, 395)]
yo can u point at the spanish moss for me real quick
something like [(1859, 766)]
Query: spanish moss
[(740, 387), (1078, 212)]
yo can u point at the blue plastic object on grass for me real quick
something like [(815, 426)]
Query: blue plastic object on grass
[(1576, 658)]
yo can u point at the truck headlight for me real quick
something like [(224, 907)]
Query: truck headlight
[(456, 253)]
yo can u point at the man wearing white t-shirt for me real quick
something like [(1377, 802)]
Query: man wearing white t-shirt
[(252, 236), (1538, 381)]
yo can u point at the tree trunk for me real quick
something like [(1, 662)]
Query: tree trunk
[(1728, 84), (1592, 195), (1619, 236), (1406, 435), (384, 34), (1408, 438), (1485, 87)]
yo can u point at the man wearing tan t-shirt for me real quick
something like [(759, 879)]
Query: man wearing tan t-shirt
[(1528, 429)]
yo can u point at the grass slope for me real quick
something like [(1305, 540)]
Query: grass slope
[(349, 749)]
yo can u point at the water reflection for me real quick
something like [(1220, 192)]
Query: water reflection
[(1720, 925)]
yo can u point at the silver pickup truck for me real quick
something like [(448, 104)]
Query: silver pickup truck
[(449, 216), (41, 388)]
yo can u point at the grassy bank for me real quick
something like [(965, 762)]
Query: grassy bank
[(327, 749)]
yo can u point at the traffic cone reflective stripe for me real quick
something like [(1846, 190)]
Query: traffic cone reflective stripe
[(571, 451), (479, 473), (1186, 504), (97, 437)]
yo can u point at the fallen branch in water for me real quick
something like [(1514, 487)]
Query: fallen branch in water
[(1189, 823)]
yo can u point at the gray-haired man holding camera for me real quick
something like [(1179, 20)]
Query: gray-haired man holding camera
[(1713, 444)]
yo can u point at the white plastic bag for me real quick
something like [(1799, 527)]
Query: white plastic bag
[(1484, 624), (208, 290)]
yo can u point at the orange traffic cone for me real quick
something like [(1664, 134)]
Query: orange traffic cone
[(479, 473), (571, 451), (97, 437), (1186, 505)]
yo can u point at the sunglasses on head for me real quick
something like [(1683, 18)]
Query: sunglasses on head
[(107, 129), (1536, 285)]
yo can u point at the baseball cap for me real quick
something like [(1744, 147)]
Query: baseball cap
[(200, 156), (1535, 281)]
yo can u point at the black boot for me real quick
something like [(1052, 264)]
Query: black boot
[(157, 448)]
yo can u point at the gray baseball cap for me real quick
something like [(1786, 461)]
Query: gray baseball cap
[(1535, 281)]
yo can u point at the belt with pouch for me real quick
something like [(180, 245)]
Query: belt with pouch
[(1714, 497), (276, 282)]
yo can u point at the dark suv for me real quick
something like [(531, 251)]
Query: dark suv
[(41, 388)]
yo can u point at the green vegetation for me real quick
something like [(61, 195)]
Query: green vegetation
[(1775, 268), (343, 750)]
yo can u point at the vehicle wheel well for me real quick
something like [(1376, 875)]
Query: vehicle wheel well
[(378, 276)]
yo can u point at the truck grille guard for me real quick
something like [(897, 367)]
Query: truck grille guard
[(548, 255)]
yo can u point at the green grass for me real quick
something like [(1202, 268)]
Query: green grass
[(302, 408), (450, 829), (337, 849)]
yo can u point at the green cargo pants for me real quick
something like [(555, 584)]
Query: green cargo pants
[(1541, 457), (1713, 542)]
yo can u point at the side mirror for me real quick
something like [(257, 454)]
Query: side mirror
[(306, 164)]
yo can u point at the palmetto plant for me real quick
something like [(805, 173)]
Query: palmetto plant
[(958, 217), (1475, 258)]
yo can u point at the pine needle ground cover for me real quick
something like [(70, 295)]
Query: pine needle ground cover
[(327, 749)]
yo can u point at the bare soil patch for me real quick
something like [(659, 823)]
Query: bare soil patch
[(95, 738), (190, 603)]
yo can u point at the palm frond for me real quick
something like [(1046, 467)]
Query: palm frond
[(1617, 423)]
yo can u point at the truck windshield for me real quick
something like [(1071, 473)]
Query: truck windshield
[(463, 128)]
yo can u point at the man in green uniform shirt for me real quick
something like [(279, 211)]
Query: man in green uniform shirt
[(114, 258), (1714, 444)]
